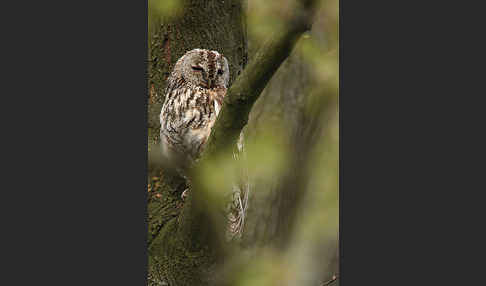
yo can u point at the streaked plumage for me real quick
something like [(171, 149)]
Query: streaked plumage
[(193, 100)]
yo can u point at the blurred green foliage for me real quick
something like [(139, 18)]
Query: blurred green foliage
[(164, 7), (312, 255), (158, 9)]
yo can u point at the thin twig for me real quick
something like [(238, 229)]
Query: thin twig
[(328, 282)]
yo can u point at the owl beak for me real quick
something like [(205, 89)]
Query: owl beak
[(210, 83)]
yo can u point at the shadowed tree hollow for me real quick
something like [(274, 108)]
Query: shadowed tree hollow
[(184, 241)]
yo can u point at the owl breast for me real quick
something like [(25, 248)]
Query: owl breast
[(187, 116)]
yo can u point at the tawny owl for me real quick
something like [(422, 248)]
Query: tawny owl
[(193, 100)]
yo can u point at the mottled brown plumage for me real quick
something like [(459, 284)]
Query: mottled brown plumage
[(194, 96), (193, 100)]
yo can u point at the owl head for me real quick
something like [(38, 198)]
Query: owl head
[(204, 68)]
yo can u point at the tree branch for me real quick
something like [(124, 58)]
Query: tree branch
[(237, 105), (249, 85)]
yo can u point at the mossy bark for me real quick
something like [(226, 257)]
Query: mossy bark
[(214, 25)]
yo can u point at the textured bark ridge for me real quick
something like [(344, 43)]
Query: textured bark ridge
[(183, 242)]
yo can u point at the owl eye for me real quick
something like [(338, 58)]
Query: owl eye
[(197, 68), (220, 72)]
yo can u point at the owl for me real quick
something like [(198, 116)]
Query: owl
[(193, 99)]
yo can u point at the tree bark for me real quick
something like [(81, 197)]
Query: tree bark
[(214, 25), (183, 241)]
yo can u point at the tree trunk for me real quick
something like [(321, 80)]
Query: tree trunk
[(214, 25)]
